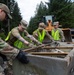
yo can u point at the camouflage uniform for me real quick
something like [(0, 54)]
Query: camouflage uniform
[(16, 34), (6, 47), (61, 34), (62, 38), (3, 45), (40, 29), (6, 50)]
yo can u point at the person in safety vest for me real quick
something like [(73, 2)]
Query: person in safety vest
[(57, 33), (4, 47), (16, 36), (40, 33)]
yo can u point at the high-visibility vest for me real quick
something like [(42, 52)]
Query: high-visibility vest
[(55, 35), (41, 35), (18, 44)]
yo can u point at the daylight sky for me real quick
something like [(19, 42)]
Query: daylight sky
[(28, 7)]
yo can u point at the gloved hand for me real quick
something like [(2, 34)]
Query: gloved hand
[(22, 57), (31, 45)]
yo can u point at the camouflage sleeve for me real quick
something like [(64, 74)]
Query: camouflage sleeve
[(15, 33), (49, 36), (62, 35), (35, 34), (2, 44), (32, 38), (8, 50), (26, 33)]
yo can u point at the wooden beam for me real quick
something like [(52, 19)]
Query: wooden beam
[(48, 47), (48, 53), (41, 46)]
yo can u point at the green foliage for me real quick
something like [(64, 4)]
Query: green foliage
[(72, 12), (63, 10), (33, 24), (34, 21), (16, 16)]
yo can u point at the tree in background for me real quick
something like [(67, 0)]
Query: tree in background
[(41, 11), (15, 12), (72, 15), (62, 10), (16, 16)]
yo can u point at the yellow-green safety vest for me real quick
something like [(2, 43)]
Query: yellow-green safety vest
[(55, 35), (18, 44), (41, 35)]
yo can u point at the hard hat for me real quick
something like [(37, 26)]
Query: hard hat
[(42, 25), (24, 23), (5, 9)]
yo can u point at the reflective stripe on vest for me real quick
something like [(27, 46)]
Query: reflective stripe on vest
[(41, 35), (8, 36), (55, 35)]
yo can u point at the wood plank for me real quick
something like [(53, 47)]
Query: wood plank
[(48, 53), (33, 49), (48, 47)]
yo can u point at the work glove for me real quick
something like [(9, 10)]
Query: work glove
[(22, 57)]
